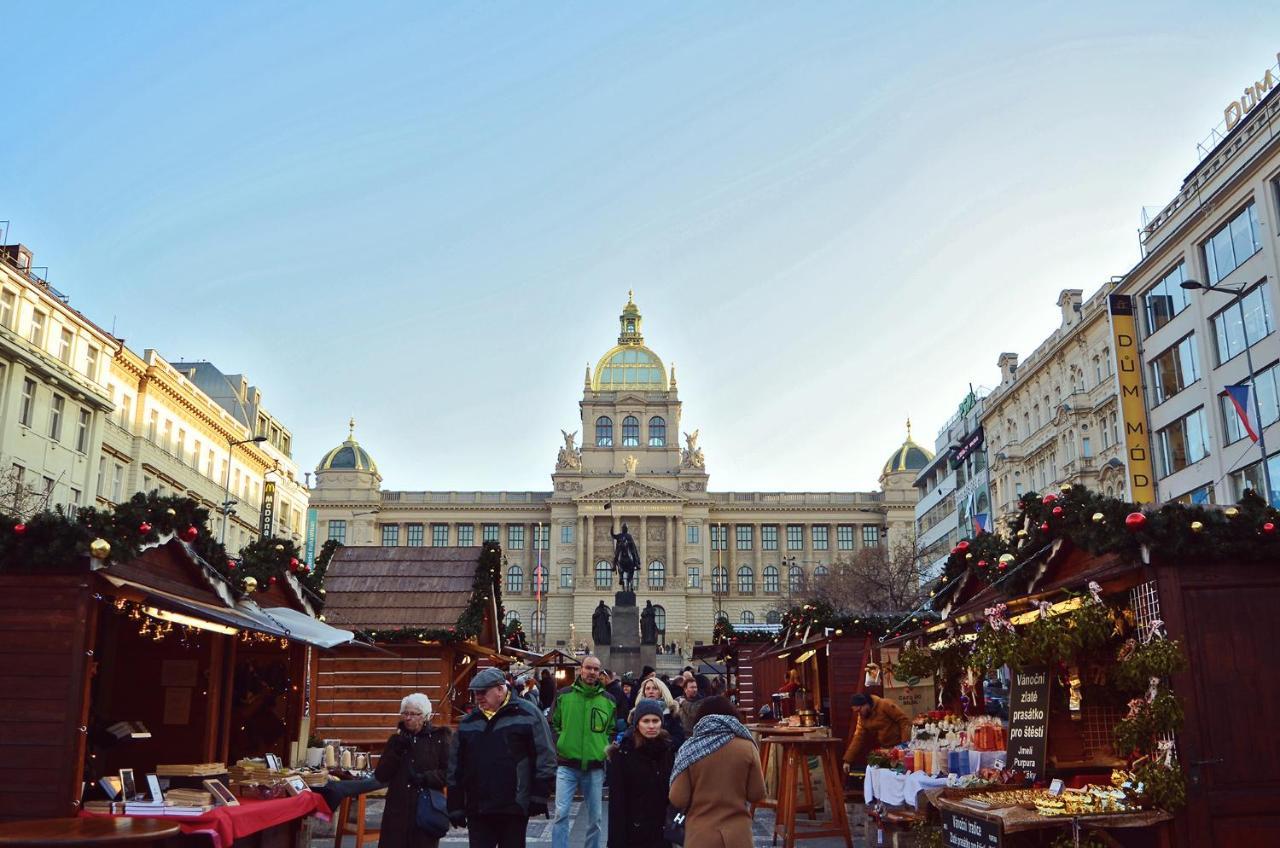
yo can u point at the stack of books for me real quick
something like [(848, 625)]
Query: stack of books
[(192, 770)]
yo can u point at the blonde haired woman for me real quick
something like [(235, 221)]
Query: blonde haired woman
[(652, 687)]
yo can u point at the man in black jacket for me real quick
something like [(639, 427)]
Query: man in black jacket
[(502, 765)]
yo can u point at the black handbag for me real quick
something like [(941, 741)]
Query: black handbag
[(673, 828), (433, 813)]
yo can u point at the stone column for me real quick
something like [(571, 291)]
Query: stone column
[(581, 527), (588, 561), (644, 550), (672, 572)]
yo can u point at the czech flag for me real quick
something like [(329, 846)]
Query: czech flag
[(1239, 395)]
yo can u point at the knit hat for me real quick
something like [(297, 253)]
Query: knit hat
[(644, 707), (486, 678), (859, 699)]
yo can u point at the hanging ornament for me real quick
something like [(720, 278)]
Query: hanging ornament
[(144, 528), (1006, 560), (19, 529), (322, 591), (968, 557), (1135, 521), (1057, 511), (251, 584), (1098, 518), (231, 565), (272, 581), (189, 535), (1044, 527), (1197, 526), (293, 564), (1022, 534), (1049, 498), (962, 545), (1064, 488), (1269, 528), (171, 511), (279, 548), (982, 563), (1231, 512), (99, 549)]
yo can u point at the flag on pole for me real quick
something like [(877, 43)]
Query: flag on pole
[(1239, 395), (978, 519)]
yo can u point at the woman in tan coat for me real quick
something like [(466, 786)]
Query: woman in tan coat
[(716, 775)]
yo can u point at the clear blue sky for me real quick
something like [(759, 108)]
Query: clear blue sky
[(428, 215)]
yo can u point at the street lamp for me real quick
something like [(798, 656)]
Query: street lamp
[(226, 482), (1237, 297)]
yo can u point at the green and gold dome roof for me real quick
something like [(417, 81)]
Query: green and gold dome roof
[(348, 456), (629, 364)]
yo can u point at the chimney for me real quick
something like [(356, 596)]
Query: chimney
[(19, 255), (1008, 363), (1069, 303)]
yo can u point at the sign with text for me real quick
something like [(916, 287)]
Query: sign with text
[(1029, 721), (961, 831), (1252, 96), (913, 695), (267, 517), (967, 446), (312, 521), (1133, 412)]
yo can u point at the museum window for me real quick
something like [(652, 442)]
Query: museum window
[(541, 536), (795, 537), (657, 432), (1174, 370), (390, 535), (1233, 243), (604, 432), (773, 617), (413, 535), (439, 535), (870, 536), (795, 580), (844, 537), (1230, 331), (630, 432), (657, 575), (691, 534), (820, 537), (771, 582), (566, 577), (720, 580), (769, 537), (660, 618), (819, 572), (338, 531), (1161, 304), (695, 577), (719, 538), (566, 534), (744, 532), (466, 535), (604, 575), (489, 533), (1182, 443), (515, 537), (746, 580), (515, 579), (1267, 384), (747, 617)]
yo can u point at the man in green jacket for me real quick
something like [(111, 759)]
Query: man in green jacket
[(582, 719)]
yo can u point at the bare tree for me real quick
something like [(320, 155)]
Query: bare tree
[(880, 579), (17, 497)]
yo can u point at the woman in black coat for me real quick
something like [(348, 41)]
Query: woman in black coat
[(639, 774), (416, 757)]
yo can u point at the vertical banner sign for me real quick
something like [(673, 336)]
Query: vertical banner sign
[(1133, 411), (961, 831), (267, 517), (311, 537), (1029, 722)]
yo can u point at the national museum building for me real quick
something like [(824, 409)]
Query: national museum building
[(741, 555)]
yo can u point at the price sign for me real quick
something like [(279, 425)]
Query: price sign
[(961, 831), (1029, 722)]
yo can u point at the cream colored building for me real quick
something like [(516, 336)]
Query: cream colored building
[(1053, 419), (736, 554)]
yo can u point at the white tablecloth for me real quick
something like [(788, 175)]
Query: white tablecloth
[(896, 789)]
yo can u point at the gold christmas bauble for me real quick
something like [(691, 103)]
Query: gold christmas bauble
[(1232, 512), (1098, 518), (1006, 559), (1065, 487), (968, 557), (171, 511), (1197, 526), (251, 584), (279, 547), (1022, 534), (99, 549)]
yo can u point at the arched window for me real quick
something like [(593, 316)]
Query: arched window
[(722, 616), (773, 617), (630, 432), (515, 579), (604, 432), (748, 617), (720, 580), (657, 575), (657, 432), (820, 572), (796, 578), (660, 618), (746, 580), (512, 615), (770, 574), (539, 583), (604, 574), (540, 623)]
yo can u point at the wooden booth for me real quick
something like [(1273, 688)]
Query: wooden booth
[(407, 600), (828, 668)]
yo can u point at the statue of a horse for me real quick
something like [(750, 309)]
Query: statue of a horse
[(626, 559)]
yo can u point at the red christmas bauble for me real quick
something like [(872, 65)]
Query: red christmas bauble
[(1057, 510), (982, 563), (1044, 527), (19, 529), (1269, 527), (1049, 498), (1002, 566), (231, 565), (962, 546), (144, 528), (189, 535), (1135, 520), (272, 581)]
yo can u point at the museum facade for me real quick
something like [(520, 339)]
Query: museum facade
[(704, 554)]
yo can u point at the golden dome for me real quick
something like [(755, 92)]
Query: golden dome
[(908, 457), (348, 456)]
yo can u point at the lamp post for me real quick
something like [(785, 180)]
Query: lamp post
[(1237, 298), (226, 482)]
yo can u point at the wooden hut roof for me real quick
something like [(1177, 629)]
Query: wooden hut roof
[(377, 588)]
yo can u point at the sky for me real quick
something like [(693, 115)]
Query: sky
[(834, 216)]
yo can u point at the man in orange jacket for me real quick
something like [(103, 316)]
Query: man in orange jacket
[(881, 724)]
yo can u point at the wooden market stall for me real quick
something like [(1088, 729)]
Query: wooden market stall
[(828, 667)]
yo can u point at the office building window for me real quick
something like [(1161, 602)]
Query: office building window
[(692, 534), (541, 536), (390, 535), (117, 483), (1268, 387), (338, 531), (566, 577), (772, 585), (747, 617), (604, 574), (56, 408), (819, 537), (720, 580), (490, 533), (657, 432), (566, 534), (795, 537), (604, 432), (8, 307), (844, 537), (91, 363), (65, 339), (515, 579), (439, 535), (657, 575), (28, 404), (630, 432), (769, 537), (1162, 302), (1197, 497), (75, 501), (745, 532), (413, 535), (746, 580), (695, 577), (82, 431), (719, 537), (1182, 443), (1233, 243), (1250, 320), (515, 537), (466, 535), (870, 536), (36, 336), (1250, 478), (1174, 370)]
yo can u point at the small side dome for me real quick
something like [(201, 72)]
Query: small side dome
[(348, 456), (909, 457)]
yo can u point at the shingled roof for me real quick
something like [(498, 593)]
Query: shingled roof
[(376, 588)]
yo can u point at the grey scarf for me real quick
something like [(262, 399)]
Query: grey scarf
[(710, 734)]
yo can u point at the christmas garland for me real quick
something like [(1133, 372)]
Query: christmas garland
[(513, 635)]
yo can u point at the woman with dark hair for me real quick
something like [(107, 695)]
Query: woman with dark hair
[(715, 776), (639, 772)]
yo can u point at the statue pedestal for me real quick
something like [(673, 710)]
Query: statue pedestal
[(648, 657), (624, 653)]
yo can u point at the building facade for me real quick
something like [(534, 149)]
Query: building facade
[(1053, 420), (739, 555), (954, 488)]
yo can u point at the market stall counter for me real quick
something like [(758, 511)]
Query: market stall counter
[(249, 823)]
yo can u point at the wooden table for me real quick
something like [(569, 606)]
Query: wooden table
[(767, 736), (795, 753), (82, 831), (1021, 820)]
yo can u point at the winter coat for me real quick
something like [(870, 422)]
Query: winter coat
[(409, 762), (583, 719), (639, 777), (885, 727), (547, 692), (499, 765), (687, 709), (714, 793), (675, 728)]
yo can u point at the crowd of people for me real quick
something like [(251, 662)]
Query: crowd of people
[(663, 746)]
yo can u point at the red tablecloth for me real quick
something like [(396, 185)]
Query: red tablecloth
[(224, 825)]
